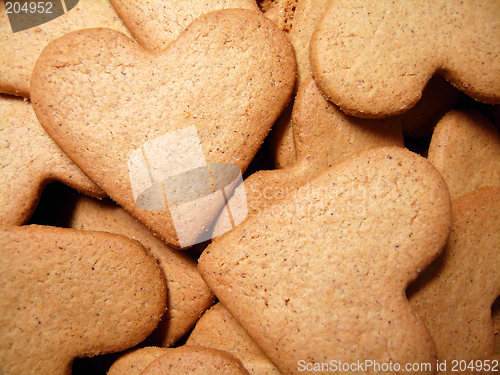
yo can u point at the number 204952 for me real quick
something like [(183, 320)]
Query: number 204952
[(24, 14), (474, 365), (28, 7)]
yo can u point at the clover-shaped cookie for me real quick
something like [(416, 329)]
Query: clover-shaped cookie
[(374, 58), (69, 293), (321, 274), (20, 50), (323, 136), (465, 149), (29, 160), (142, 126), (455, 294)]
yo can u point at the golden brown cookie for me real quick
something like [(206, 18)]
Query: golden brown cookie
[(455, 294), (465, 149), (29, 160), (374, 58), (69, 293), (21, 50), (129, 109), (323, 136), (217, 329), (306, 16), (321, 274), (133, 362), (195, 360), (156, 23), (188, 295)]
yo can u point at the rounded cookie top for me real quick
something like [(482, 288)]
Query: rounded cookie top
[(465, 149), (133, 120), (321, 274), (374, 58), (69, 293)]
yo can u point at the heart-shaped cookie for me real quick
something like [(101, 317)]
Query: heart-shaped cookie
[(188, 296), (121, 112), (321, 274), (69, 293), (374, 58)]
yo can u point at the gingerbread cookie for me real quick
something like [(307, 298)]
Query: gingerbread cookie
[(195, 360), (29, 159), (455, 294), (69, 293), (465, 149), (20, 50), (155, 24), (133, 362), (188, 295), (321, 274), (374, 58), (217, 329), (306, 16), (130, 108)]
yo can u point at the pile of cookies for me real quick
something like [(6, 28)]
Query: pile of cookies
[(251, 187)]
